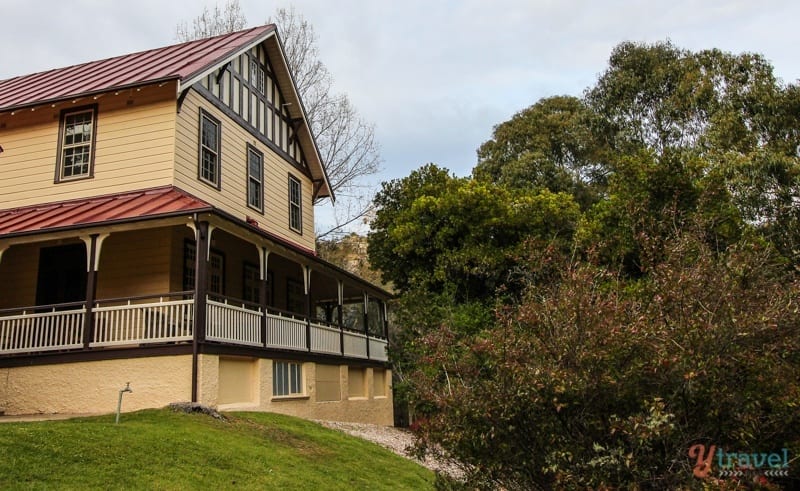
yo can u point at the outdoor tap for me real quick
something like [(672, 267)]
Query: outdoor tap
[(119, 401)]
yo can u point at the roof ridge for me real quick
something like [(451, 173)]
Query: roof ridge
[(174, 61), (134, 53)]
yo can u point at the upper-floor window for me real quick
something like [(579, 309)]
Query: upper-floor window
[(295, 205), (257, 76), (209, 159), (77, 141), (255, 179)]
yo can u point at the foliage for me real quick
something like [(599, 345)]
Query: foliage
[(549, 145), (641, 295), (349, 252), (438, 232), (159, 449), (594, 381)]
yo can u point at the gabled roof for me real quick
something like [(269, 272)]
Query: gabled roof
[(185, 63), (177, 62)]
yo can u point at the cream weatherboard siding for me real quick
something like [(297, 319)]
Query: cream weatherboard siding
[(134, 147), (232, 197), (135, 263)]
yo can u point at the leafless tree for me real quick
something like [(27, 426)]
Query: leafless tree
[(345, 140), (221, 20)]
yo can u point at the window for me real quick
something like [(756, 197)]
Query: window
[(257, 76), (216, 269), (287, 378), (250, 281), (251, 284), (209, 170), (295, 205), (77, 140), (255, 179), (295, 297)]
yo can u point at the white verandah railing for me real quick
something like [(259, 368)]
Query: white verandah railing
[(168, 318), (151, 321), (30, 329), (286, 331), (233, 324)]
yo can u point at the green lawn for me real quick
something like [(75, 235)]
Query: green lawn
[(161, 449)]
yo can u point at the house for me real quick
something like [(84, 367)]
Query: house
[(157, 228)]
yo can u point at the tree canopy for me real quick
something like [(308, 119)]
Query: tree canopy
[(616, 280)]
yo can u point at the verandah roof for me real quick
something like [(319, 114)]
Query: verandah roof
[(129, 207)]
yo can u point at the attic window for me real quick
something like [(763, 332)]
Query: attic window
[(76, 144), (257, 76)]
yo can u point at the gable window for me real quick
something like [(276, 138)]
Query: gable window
[(255, 179), (287, 378), (77, 141), (209, 162), (257, 76), (295, 205)]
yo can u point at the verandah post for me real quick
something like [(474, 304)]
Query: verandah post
[(263, 299), (200, 290), (366, 321), (307, 284), (340, 314), (91, 289)]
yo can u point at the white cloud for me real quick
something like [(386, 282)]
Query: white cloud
[(434, 76)]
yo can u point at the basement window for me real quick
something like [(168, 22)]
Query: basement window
[(287, 378)]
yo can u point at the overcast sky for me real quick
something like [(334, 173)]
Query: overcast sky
[(433, 76)]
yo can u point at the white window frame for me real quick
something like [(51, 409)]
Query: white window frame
[(257, 77), (287, 379)]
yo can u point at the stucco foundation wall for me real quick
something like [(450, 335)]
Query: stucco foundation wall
[(365, 409), (93, 387)]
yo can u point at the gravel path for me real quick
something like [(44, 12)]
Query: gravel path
[(398, 440)]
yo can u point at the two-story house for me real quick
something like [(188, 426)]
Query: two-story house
[(157, 228)]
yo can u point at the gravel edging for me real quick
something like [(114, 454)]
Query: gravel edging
[(398, 440)]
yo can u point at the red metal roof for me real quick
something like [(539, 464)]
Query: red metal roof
[(149, 203), (177, 62)]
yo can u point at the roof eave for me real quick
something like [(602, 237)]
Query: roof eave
[(296, 95), (92, 93)]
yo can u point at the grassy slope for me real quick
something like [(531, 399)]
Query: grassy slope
[(159, 449)]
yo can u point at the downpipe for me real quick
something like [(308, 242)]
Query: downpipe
[(119, 402)]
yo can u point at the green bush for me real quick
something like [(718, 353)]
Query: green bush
[(593, 381)]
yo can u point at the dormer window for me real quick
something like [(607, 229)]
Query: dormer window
[(76, 144)]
